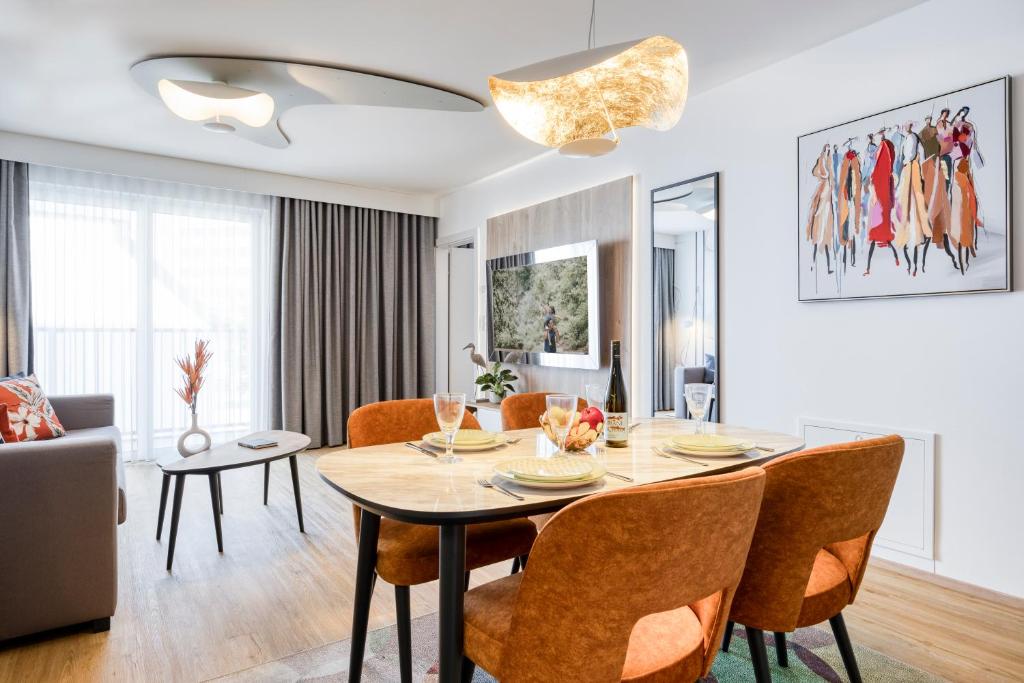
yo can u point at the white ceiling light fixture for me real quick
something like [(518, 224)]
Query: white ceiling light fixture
[(248, 97), (578, 102)]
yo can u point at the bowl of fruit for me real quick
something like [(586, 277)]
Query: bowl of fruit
[(586, 428)]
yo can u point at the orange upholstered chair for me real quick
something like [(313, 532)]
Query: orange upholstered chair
[(821, 510), (407, 554), (523, 411), (630, 585)]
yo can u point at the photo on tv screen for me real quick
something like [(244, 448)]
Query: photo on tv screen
[(541, 307)]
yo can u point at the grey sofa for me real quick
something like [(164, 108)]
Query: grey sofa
[(60, 503)]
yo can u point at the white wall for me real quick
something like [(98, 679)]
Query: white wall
[(953, 365), (50, 152)]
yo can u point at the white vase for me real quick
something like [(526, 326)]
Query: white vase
[(183, 449)]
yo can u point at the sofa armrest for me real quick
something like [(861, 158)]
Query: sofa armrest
[(84, 411), (58, 532)]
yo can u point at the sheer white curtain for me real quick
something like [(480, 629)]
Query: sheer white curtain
[(126, 274)]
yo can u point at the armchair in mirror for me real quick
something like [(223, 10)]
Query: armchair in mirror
[(684, 219)]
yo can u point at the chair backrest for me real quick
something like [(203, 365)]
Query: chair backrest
[(604, 562), (832, 498), (523, 411), (393, 421)]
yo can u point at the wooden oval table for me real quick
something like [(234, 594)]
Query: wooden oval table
[(400, 483)]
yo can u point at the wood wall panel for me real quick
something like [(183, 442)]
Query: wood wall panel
[(603, 213)]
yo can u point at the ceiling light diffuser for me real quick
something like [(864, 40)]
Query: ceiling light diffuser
[(574, 103), (198, 101), (256, 93)]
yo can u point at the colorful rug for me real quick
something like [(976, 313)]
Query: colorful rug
[(813, 657)]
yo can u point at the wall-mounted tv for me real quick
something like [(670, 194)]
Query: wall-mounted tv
[(542, 307)]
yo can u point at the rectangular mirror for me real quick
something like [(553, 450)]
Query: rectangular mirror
[(684, 219)]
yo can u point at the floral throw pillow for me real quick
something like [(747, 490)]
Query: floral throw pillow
[(29, 414)]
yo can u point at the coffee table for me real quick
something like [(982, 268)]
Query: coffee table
[(227, 456)]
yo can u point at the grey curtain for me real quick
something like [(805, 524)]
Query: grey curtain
[(664, 326), (355, 307), (15, 285)]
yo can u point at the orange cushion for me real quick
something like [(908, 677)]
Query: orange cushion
[(407, 553), (6, 434), (662, 647), (29, 413), (828, 591)]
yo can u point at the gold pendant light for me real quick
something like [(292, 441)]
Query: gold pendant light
[(576, 103)]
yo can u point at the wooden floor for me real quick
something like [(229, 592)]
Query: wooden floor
[(275, 592)]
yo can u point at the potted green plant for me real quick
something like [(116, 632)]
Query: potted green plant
[(497, 382)]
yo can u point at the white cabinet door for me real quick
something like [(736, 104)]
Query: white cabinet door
[(907, 535)]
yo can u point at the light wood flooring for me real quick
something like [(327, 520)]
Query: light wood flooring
[(275, 592)]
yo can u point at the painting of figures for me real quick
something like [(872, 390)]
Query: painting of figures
[(909, 202)]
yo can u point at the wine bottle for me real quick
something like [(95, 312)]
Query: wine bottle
[(616, 418)]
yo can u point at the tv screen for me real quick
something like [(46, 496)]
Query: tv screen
[(543, 306)]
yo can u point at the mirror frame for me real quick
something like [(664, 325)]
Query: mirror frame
[(718, 276)]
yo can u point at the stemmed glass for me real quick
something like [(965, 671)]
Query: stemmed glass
[(561, 414), (449, 409), (597, 394), (698, 397)]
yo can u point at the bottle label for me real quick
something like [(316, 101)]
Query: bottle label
[(616, 426)]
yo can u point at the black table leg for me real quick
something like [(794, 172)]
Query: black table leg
[(452, 574), (164, 485), (366, 567), (179, 488), (266, 481), (215, 501), (220, 495), (295, 487)]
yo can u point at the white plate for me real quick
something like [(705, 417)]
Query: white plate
[(499, 440), (673, 448), (551, 484)]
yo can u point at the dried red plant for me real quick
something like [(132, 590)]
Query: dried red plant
[(193, 367)]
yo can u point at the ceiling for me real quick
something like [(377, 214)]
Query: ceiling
[(64, 70)]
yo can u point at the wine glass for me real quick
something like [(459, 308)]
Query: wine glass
[(698, 397), (597, 394), (561, 414), (449, 409)]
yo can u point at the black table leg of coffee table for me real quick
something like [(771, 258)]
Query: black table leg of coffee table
[(266, 481), (295, 487), (215, 501), (164, 485), (220, 495), (179, 489)]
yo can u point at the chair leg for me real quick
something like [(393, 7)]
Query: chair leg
[(780, 649), (468, 667), (758, 655), (515, 565), (729, 626), (845, 647), (100, 625), (466, 584), (404, 633), (522, 561)]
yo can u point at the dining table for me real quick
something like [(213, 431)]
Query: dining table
[(408, 485)]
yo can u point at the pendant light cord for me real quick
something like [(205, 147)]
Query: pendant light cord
[(592, 31)]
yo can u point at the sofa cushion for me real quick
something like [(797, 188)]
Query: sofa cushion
[(115, 434), (30, 415)]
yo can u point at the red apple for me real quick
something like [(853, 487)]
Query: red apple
[(592, 416)]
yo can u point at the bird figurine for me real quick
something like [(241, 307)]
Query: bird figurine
[(474, 356)]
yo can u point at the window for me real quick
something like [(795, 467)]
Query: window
[(126, 275)]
